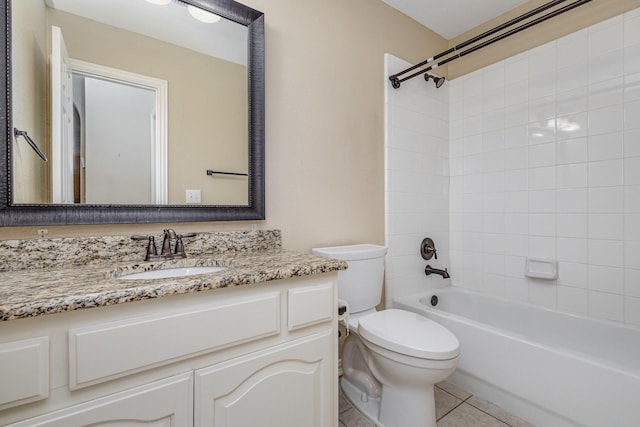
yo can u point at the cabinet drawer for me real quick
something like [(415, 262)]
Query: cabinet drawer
[(102, 352), (310, 305), (24, 371)]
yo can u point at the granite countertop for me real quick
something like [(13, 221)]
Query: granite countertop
[(30, 293)]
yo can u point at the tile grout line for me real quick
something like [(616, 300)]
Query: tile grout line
[(462, 401), (483, 411), (454, 408)]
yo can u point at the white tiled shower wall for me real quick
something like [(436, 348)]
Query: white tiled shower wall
[(541, 159), (545, 162), (417, 180)]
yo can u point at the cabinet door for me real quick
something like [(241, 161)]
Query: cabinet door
[(289, 385), (165, 403)]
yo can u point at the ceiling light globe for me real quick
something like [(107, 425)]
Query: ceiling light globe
[(202, 15)]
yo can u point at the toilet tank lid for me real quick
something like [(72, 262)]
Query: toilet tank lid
[(352, 252)]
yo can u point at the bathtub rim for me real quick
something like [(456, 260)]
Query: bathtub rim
[(415, 301)]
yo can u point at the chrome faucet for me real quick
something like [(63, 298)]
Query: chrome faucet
[(166, 253), (428, 270)]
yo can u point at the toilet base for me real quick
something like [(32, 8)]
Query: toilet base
[(416, 405), (369, 407)]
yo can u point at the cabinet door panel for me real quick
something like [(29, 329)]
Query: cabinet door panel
[(164, 403), (24, 371), (289, 385)]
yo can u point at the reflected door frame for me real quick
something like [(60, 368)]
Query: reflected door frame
[(61, 121), (159, 179)]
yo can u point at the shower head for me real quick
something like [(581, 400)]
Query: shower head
[(439, 81)]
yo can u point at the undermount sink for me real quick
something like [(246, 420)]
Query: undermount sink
[(171, 272)]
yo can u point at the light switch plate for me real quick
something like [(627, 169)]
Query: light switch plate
[(193, 196)]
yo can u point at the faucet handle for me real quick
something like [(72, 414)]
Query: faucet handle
[(428, 249), (179, 250), (151, 247)]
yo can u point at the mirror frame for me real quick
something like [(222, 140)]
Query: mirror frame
[(44, 214)]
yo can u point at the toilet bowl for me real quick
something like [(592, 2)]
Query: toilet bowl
[(392, 358), (391, 362)]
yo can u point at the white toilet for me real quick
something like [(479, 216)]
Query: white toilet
[(391, 358)]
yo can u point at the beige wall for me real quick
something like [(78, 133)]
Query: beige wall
[(324, 121), (214, 131), (29, 59), (556, 27), (325, 115), (324, 118)]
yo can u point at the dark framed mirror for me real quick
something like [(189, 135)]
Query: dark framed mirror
[(17, 210)]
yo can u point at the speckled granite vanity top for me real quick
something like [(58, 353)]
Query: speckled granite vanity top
[(83, 283)]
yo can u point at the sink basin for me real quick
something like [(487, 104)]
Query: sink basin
[(171, 272)]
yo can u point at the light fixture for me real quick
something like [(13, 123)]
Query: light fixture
[(202, 15), (439, 81), (160, 2)]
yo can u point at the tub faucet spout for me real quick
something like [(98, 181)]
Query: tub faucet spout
[(428, 270)]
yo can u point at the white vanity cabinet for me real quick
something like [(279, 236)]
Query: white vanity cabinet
[(285, 386), (263, 354), (162, 403)]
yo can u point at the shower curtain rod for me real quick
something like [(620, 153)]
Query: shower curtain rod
[(396, 80), (481, 36)]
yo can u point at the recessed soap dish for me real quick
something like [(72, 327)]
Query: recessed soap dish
[(540, 268)]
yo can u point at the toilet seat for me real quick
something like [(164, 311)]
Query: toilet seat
[(409, 333)]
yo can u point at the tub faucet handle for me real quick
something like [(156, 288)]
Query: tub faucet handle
[(428, 249)]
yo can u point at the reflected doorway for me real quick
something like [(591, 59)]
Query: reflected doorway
[(108, 133), (115, 137)]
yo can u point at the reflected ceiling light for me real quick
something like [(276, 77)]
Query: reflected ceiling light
[(202, 15), (564, 125), (160, 2)]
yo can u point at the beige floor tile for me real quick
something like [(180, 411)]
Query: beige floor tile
[(498, 412), (466, 415), (343, 404), (454, 389), (445, 402), (353, 418), (454, 408)]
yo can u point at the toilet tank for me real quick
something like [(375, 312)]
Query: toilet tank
[(361, 284)]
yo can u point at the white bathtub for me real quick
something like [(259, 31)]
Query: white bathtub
[(550, 368)]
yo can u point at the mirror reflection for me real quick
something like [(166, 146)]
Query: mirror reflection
[(131, 101)]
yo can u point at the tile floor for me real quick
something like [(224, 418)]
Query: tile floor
[(454, 408)]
